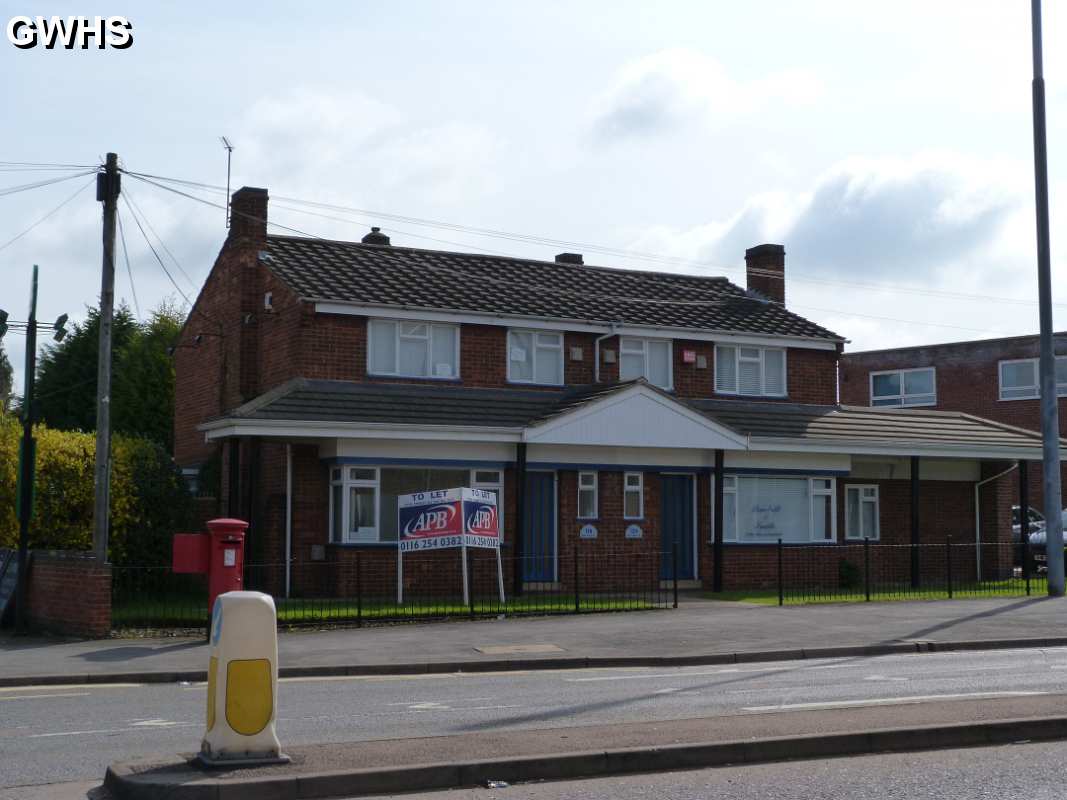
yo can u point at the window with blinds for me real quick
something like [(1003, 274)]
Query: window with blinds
[(751, 371)]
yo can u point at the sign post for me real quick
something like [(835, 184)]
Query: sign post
[(447, 518)]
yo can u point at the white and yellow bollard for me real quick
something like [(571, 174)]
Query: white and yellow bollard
[(242, 682)]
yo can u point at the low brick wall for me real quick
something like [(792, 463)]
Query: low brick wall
[(69, 593)]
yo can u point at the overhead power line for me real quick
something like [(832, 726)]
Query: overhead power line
[(51, 213), (129, 269), (151, 247), (163, 244), (25, 187), (590, 247), (510, 284)]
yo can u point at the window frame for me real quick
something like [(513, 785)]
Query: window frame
[(902, 395), (877, 500), (645, 352), (397, 336), (535, 346), (736, 391), (731, 487), (1061, 388), (640, 489), (595, 489), (346, 483)]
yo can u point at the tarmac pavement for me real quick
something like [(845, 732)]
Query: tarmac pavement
[(699, 631)]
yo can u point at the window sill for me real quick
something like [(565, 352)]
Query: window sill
[(365, 545), (376, 376), (387, 545), (904, 405), (536, 385), (818, 543), (736, 396)]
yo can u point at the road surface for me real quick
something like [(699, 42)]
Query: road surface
[(68, 733), (1031, 771)]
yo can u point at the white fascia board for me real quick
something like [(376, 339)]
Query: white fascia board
[(860, 448), (582, 326), (540, 431), (225, 428)]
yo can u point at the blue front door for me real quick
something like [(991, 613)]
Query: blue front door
[(676, 522), (539, 544)]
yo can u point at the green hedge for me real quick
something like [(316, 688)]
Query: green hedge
[(149, 499)]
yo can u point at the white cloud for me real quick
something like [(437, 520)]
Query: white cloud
[(349, 147), (895, 218), (678, 86)]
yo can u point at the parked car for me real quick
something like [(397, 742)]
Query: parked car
[(1039, 544), (1037, 523)]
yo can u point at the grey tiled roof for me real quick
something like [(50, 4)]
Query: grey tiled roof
[(339, 401), (342, 401), (848, 424), (352, 272)]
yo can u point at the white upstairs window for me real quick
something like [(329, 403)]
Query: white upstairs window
[(412, 349), (1020, 378), (535, 357), (646, 358), (904, 387), (753, 371)]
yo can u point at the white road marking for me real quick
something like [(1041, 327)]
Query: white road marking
[(884, 701), (47, 687), (675, 675), (43, 696)]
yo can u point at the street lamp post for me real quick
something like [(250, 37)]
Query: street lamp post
[(1050, 423)]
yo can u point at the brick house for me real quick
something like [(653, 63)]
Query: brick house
[(996, 379), (672, 413)]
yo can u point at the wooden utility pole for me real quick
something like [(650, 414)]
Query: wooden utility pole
[(107, 191), (27, 459)]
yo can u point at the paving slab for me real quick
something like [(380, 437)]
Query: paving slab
[(444, 761), (699, 631)]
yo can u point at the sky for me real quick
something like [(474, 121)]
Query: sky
[(887, 146)]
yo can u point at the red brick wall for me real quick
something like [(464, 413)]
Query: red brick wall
[(69, 593), (968, 380)]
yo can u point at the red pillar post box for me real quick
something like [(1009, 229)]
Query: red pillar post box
[(226, 557)]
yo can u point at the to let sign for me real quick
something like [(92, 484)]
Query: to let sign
[(447, 518)]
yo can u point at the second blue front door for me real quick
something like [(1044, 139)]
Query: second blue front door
[(539, 543), (677, 524)]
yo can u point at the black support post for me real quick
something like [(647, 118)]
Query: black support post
[(781, 584), (717, 511), (520, 515), (915, 522), (1024, 520)]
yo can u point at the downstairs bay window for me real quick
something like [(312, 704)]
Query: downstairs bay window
[(759, 510), (363, 500)]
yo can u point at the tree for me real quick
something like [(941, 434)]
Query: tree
[(7, 381), (142, 377)]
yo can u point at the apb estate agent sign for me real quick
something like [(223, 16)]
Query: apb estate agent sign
[(448, 518)]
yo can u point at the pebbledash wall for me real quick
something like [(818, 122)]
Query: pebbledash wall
[(967, 379), (69, 593)]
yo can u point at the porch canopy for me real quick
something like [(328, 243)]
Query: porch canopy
[(630, 414)]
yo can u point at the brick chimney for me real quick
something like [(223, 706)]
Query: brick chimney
[(765, 271), (248, 215)]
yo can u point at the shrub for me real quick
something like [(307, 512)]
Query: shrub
[(848, 574), (149, 500)]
